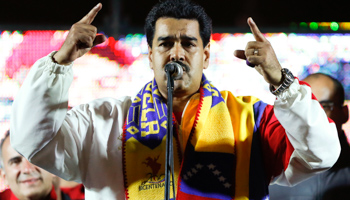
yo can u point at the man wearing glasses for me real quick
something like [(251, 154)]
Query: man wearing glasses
[(334, 183)]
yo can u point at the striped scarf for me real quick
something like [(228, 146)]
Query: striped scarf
[(207, 169)]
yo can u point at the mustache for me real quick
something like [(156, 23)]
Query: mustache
[(185, 67)]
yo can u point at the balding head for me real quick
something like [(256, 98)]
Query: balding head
[(330, 93), (327, 82)]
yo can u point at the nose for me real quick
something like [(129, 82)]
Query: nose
[(27, 167), (177, 53)]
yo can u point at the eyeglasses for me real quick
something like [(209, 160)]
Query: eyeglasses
[(327, 105)]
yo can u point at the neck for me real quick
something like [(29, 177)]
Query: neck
[(179, 103), (179, 100)]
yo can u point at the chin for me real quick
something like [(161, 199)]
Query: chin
[(35, 193), (35, 189), (183, 91), (182, 84), (180, 87)]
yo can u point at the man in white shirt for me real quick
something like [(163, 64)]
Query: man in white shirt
[(226, 147)]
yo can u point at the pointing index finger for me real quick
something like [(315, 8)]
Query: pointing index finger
[(87, 19), (255, 30)]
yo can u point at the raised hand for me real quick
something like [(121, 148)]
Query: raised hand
[(259, 53), (81, 38)]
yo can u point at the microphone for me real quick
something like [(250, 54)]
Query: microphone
[(175, 70)]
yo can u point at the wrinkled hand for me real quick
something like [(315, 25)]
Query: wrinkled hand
[(81, 38), (265, 60)]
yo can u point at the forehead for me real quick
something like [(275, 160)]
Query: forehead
[(176, 27), (322, 87), (7, 150)]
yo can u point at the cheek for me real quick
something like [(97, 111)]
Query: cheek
[(157, 63), (198, 61), (11, 178), (158, 56)]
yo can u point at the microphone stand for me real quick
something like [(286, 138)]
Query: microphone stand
[(169, 157)]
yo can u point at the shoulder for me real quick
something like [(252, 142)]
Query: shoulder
[(76, 192), (227, 95), (6, 194), (248, 104)]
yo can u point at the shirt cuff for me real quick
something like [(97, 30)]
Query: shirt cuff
[(55, 67), (290, 92)]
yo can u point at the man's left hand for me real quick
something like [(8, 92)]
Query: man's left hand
[(261, 54)]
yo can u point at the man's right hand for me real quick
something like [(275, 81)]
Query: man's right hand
[(81, 38)]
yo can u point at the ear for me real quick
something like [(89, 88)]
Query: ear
[(3, 175), (345, 114), (150, 56), (206, 56)]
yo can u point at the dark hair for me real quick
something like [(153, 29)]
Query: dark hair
[(339, 91), (338, 87), (179, 9)]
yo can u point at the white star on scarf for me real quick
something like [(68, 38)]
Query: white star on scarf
[(194, 170), (199, 166), (189, 174), (211, 166), (216, 172), (227, 185), (222, 179)]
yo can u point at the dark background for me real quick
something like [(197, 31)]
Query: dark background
[(119, 17)]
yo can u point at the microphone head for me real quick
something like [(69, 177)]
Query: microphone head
[(175, 70)]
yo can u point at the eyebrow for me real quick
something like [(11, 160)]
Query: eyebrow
[(183, 37), (13, 159)]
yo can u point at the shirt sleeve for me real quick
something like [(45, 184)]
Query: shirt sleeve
[(59, 141), (298, 139)]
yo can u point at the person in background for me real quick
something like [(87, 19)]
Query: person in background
[(334, 183), (225, 147), (25, 180)]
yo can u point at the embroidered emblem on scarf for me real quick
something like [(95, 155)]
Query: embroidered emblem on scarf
[(208, 164)]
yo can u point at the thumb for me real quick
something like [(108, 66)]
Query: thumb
[(100, 38), (240, 54)]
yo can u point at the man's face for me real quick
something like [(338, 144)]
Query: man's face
[(324, 90), (178, 40), (26, 180)]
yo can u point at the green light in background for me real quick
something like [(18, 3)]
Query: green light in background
[(303, 25), (313, 26), (334, 26)]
